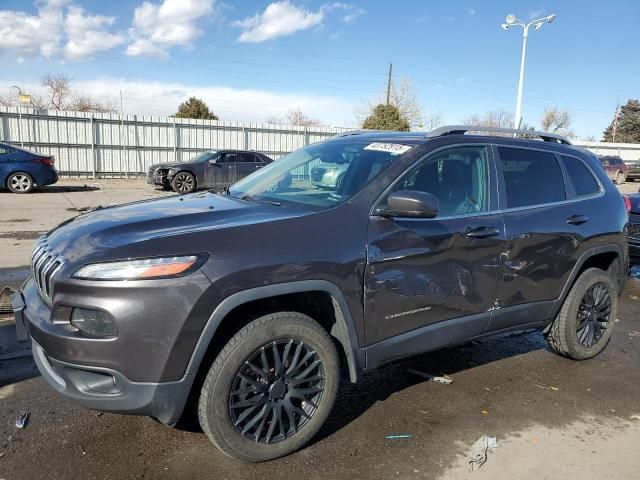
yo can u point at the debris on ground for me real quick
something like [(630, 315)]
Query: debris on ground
[(634, 417), (22, 420), (555, 389), (395, 437), (84, 452), (634, 334), (479, 451), (2, 454), (444, 379)]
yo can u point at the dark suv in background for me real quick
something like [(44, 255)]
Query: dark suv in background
[(256, 303), (615, 167), (208, 169)]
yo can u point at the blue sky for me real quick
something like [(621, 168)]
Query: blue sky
[(249, 60)]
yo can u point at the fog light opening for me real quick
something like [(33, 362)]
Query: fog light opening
[(93, 322)]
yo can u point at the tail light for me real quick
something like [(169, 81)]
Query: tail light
[(627, 203), (48, 161)]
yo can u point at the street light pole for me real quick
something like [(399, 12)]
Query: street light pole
[(19, 115), (511, 21)]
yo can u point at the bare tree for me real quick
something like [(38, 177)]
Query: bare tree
[(404, 97), (555, 120), (431, 122), (274, 120), (58, 89), (495, 119), (297, 117), (87, 103), (35, 101)]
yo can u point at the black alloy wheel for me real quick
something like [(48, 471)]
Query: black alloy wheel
[(594, 315), (277, 391)]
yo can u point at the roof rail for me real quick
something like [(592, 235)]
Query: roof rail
[(462, 129)]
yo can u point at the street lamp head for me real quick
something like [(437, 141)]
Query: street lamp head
[(510, 19), (551, 17), (505, 26), (537, 25)]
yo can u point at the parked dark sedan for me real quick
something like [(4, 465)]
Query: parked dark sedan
[(615, 168), (22, 170), (209, 169), (633, 233)]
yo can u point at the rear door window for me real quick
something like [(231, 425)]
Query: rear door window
[(531, 177), (580, 176)]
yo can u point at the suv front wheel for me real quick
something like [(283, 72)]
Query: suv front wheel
[(584, 324), (271, 387)]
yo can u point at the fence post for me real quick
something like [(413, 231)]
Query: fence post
[(93, 148), (176, 137), (306, 135), (245, 141)]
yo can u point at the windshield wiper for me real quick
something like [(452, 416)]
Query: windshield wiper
[(249, 198)]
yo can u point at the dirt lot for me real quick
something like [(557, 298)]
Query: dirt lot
[(554, 418)]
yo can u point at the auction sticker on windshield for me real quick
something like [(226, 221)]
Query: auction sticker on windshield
[(394, 148)]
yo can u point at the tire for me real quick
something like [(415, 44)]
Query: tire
[(619, 178), (20, 182), (564, 337), (183, 182), (281, 429)]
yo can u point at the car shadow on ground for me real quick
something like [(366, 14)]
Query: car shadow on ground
[(378, 385)]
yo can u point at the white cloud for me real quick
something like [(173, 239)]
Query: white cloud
[(87, 34), (157, 27), (534, 14), (352, 12), (278, 19), (471, 12), (26, 34), (56, 23), (233, 104)]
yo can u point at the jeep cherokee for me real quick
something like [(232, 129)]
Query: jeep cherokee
[(256, 303)]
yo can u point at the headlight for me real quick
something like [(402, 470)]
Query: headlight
[(143, 269)]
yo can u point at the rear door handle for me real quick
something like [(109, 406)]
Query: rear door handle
[(481, 232), (577, 219)]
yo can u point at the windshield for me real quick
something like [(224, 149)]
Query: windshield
[(319, 176), (202, 157)]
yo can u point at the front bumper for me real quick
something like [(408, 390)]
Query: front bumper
[(158, 178), (107, 390), (141, 371)]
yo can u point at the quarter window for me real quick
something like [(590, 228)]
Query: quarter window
[(457, 177), (580, 176), (531, 177)]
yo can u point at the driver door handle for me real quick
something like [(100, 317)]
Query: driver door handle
[(481, 232), (577, 219)]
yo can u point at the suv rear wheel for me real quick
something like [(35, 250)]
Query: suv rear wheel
[(584, 324), (271, 387)]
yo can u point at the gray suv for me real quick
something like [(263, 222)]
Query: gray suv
[(256, 303)]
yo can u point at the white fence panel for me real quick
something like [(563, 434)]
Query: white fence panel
[(86, 144)]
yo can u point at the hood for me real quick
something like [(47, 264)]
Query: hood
[(135, 224), (168, 165), (635, 203)]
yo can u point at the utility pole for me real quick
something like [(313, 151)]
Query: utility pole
[(389, 83)]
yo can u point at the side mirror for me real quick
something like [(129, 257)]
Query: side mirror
[(411, 204)]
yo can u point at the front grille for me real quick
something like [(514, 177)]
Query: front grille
[(45, 263), (634, 231)]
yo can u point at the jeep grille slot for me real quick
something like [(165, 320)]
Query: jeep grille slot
[(45, 263)]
